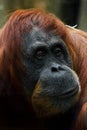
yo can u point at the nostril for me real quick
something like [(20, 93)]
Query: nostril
[(54, 69)]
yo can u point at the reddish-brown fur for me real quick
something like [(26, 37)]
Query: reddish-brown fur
[(78, 41), (11, 66)]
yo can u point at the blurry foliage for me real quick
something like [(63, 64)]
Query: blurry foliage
[(8, 6), (64, 9)]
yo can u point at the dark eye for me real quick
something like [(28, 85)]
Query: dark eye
[(57, 51), (40, 54)]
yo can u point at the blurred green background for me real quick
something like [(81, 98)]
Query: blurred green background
[(72, 12)]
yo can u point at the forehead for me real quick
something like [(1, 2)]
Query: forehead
[(39, 35)]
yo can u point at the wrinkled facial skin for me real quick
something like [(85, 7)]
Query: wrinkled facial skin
[(49, 81)]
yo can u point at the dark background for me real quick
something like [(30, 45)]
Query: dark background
[(72, 12)]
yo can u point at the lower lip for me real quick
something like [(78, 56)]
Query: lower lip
[(69, 94)]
